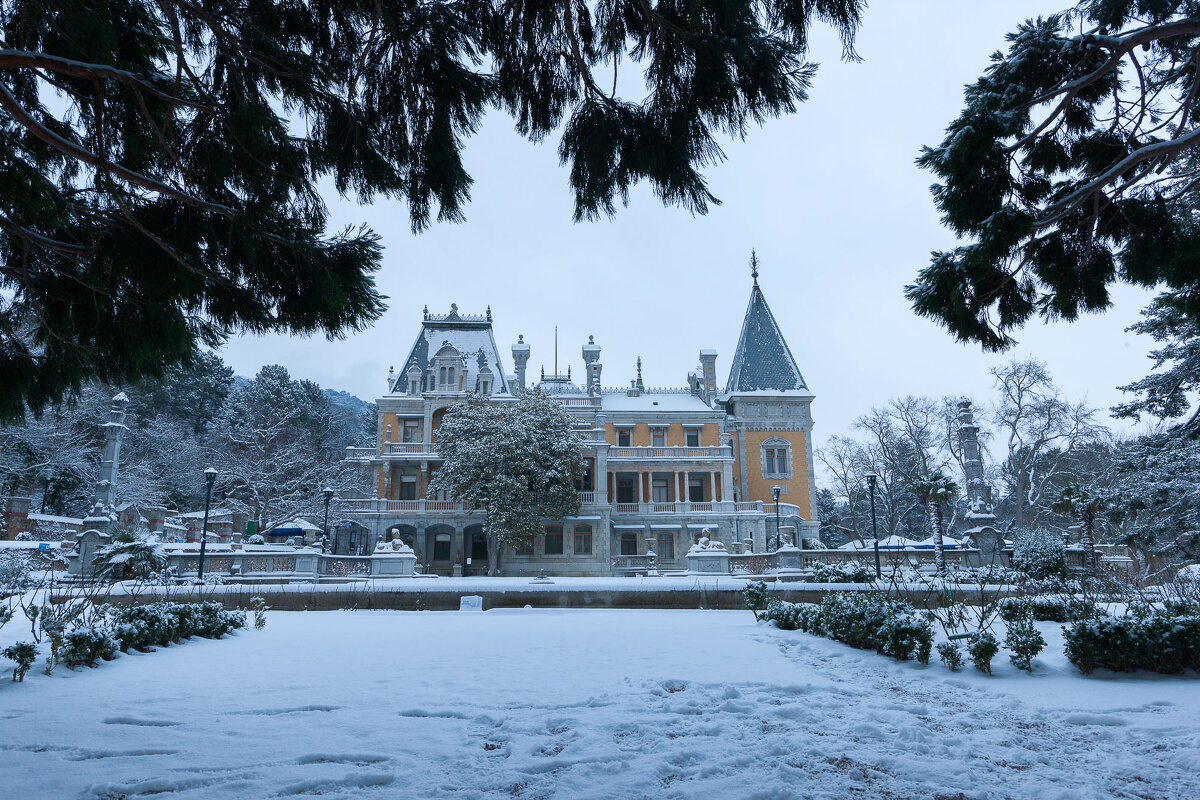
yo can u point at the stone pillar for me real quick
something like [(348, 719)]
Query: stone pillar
[(16, 516), (980, 520), (114, 429), (520, 354), (708, 366), (712, 487)]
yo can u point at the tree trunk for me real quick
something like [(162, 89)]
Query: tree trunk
[(493, 555), (935, 524)]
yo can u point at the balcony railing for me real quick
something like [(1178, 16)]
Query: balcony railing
[(670, 452), (714, 507), (415, 506), (587, 498), (408, 449)]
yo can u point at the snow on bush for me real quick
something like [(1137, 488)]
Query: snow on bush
[(866, 620), (1039, 553), (950, 655), (24, 654), (1024, 641), (841, 573), (256, 538), (982, 647), (1157, 642), (14, 572), (756, 596), (23, 536), (130, 556), (87, 645), (1046, 609)]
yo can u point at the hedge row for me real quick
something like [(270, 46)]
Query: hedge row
[(1046, 609), (865, 620), (1158, 642), (142, 627)]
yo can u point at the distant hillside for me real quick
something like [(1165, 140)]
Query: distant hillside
[(347, 400)]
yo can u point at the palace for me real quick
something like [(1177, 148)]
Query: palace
[(664, 466)]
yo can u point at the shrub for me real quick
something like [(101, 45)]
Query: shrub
[(1157, 642), (983, 646), (256, 538), (1046, 609), (794, 616), (258, 604), (24, 654), (1039, 553), (841, 573), (870, 621), (950, 655), (23, 536), (1024, 641), (757, 596), (86, 645)]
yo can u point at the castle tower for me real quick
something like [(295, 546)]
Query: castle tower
[(769, 404), (591, 360)]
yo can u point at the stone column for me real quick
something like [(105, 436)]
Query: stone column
[(712, 486), (16, 516), (114, 429), (980, 520)]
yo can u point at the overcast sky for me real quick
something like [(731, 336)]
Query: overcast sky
[(830, 197)]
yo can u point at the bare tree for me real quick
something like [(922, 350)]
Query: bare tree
[(1042, 434)]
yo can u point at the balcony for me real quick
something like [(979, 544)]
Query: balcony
[(408, 449), (671, 453), (715, 507), (411, 506)]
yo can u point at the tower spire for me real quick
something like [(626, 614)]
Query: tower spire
[(641, 387), (754, 266)]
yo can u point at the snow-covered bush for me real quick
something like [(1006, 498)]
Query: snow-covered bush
[(1046, 609), (86, 645), (1024, 641), (982, 647), (15, 572), (24, 654), (23, 536), (950, 655), (842, 573), (794, 616), (870, 621), (256, 538), (1039, 553), (258, 604), (756, 596), (1157, 643)]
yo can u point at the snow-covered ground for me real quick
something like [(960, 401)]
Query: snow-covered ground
[(583, 704)]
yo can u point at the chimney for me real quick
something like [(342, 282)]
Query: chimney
[(591, 357), (708, 366), (520, 354)]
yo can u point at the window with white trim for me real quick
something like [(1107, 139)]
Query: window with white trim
[(776, 458)]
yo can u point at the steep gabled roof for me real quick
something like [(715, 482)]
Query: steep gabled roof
[(763, 361), (471, 337)]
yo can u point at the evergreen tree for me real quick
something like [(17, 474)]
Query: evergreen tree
[(1071, 167), (160, 159), (517, 462), (1086, 506), (1167, 394)]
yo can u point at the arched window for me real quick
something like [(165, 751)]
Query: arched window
[(450, 374), (443, 375), (777, 458)]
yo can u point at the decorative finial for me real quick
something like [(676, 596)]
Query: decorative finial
[(520, 338), (754, 266), (640, 385), (591, 339), (489, 313), (543, 372), (568, 372), (426, 311)]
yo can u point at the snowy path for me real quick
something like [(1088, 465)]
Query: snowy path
[(566, 704)]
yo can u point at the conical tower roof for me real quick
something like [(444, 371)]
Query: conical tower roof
[(763, 361)]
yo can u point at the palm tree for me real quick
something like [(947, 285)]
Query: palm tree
[(1079, 502), (934, 489), (131, 555)]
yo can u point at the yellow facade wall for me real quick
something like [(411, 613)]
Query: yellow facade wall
[(710, 434), (799, 493)]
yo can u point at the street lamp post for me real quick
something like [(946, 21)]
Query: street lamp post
[(775, 492), (325, 527), (871, 478), (210, 476)]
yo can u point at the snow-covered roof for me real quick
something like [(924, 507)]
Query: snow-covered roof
[(890, 543), (762, 359), (215, 512), (653, 401), (473, 340), (298, 524)]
